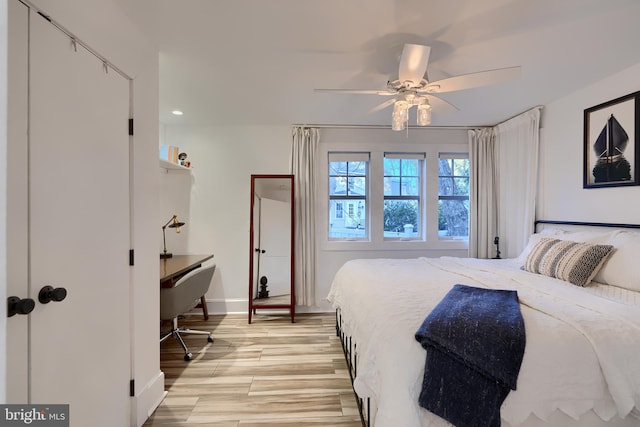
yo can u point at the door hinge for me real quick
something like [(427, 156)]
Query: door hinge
[(131, 257), (132, 388), (130, 126)]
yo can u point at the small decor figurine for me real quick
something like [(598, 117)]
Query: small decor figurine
[(263, 293), (182, 158)]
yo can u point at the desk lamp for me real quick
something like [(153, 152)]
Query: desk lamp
[(172, 223)]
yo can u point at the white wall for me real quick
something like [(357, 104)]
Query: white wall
[(560, 195), (214, 199), (103, 26)]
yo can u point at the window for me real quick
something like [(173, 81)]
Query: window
[(453, 195), (348, 173), (402, 182), (383, 195)]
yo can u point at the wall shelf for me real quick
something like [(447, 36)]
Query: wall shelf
[(172, 166)]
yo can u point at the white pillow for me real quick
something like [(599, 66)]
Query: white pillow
[(535, 238), (593, 237), (622, 269)]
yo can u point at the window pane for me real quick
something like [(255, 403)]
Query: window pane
[(453, 218), (445, 167), (410, 167), (357, 186), (445, 186), (337, 168), (391, 167), (461, 167), (391, 186), (347, 219), (461, 186), (337, 186), (357, 168), (401, 218), (410, 187)]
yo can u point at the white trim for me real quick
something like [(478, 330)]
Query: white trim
[(227, 306), (150, 398)]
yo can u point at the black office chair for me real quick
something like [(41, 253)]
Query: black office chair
[(181, 298)]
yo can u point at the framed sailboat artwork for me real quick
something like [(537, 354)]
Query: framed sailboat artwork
[(612, 143)]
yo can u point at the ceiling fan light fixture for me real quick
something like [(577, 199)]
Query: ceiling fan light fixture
[(423, 117), (401, 108), (397, 122)]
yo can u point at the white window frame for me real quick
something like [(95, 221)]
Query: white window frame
[(421, 195), (454, 156), (375, 197), (347, 202)]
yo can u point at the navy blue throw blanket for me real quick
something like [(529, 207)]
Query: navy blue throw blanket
[(475, 341)]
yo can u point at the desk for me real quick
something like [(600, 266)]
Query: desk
[(171, 269)]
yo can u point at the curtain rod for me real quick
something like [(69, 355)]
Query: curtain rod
[(389, 127), (74, 38)]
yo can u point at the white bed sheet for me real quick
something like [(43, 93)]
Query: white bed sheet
[(581, 353)]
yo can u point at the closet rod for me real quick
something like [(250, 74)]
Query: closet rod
[(75, 39)]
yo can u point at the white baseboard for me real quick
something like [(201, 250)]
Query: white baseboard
[(228, 306), (147, 400)]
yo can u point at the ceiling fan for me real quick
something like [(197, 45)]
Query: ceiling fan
[(413, 87)]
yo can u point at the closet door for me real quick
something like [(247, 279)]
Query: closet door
[(17, 198), (79, 232)]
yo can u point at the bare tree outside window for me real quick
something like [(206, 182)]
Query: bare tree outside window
[(453, 195)]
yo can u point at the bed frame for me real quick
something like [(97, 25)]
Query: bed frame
[(349, 346)]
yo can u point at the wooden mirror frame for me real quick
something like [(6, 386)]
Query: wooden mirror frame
[(280, 306)]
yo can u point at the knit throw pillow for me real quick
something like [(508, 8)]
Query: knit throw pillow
[(573, 262)]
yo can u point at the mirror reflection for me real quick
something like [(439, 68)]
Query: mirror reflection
[(271, 243)]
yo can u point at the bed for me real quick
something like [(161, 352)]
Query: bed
[(581, 365)]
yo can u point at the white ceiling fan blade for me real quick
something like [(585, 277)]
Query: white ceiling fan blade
[(356, 91), (439, 105), (468, 81), (413, 63), (382, 106)]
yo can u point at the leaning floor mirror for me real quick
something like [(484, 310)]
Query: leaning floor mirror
[(271, 249)]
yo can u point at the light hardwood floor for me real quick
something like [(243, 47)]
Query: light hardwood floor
[(269, 373)]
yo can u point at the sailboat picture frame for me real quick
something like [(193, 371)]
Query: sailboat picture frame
[(612, 143)]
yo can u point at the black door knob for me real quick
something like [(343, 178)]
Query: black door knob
[(16, 305), (49, 293)]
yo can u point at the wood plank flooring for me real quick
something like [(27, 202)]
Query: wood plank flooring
[(270, 373)]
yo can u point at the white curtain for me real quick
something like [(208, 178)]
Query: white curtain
[(303, 159), (483, 198), (517, 140)]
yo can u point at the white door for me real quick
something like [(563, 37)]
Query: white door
[(275, 241), (78, 349), (17, 198)]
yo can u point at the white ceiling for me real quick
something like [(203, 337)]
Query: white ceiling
[(256, 62)]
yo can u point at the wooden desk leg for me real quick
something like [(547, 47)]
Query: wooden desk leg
[(205, 310)]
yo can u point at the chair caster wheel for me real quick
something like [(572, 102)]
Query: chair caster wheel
[(210, 339), (188, 357)]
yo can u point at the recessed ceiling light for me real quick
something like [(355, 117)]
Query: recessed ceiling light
[(177, 113)]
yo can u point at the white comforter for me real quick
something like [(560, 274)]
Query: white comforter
[(581, 353)]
